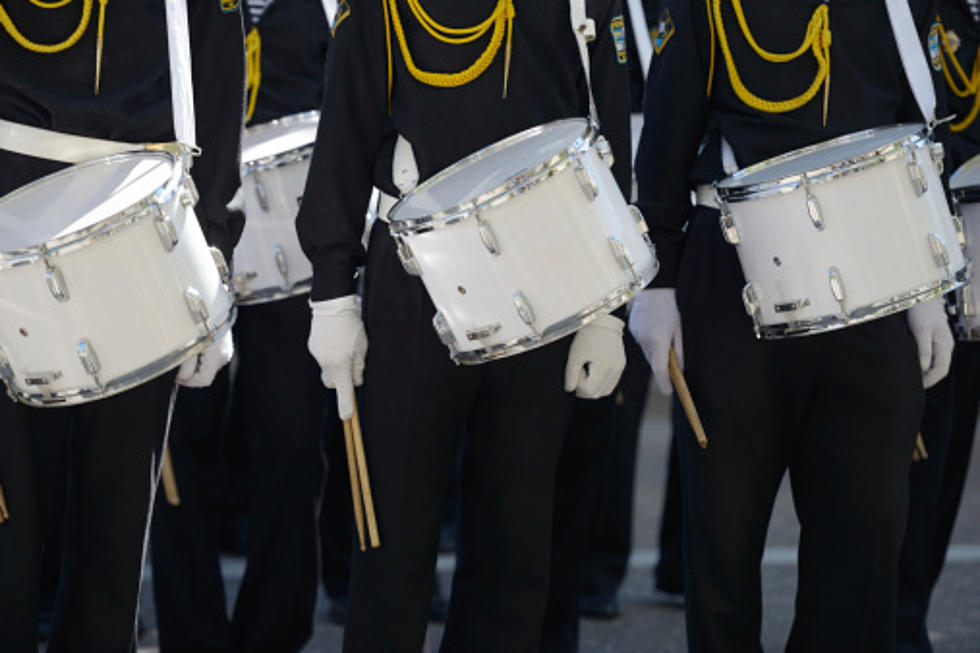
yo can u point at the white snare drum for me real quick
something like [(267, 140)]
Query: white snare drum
[(269, 263), (523, 242), (842, 232), (965, 183), (105, 279)]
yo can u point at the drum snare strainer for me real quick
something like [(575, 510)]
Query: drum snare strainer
[(842, 232)]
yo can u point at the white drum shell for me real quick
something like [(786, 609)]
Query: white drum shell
[(876, 239), (126, 298), (269, 262), (554, 251)]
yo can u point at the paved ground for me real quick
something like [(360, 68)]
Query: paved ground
[(650, 628)]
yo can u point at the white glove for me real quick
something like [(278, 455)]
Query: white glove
[(339, 343), (199, 371), (655, 322), (596, 358), (928, 324)]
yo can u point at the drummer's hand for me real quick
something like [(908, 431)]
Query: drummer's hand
[(655, 322), (929, 325), (199, 371), (596, 358), (339, 343)]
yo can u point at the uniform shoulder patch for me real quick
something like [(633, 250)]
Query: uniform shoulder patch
[(228, 6), (343, 11), (618, 28), (662, 32), (935, 56)]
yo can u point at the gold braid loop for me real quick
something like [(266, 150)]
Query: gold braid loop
[(253, 69), (817, 40), (43, 48), (501, 19)]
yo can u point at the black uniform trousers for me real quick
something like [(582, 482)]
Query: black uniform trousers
[(840, 411), (610, 536), (936, 486), (113, 462), (284, 406), (668, 574), (414, 405)]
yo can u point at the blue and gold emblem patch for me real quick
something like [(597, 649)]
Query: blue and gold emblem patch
[(618, 28), (343, 11), (228, 6), (663, 31), (934, 55)]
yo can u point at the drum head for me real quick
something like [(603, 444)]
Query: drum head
[(273, 138), (79, 197), (966, 175), (844, 149), (489, 168)]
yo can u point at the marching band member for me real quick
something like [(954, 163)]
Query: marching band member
[(415, 401), (283, 407), (950, 419), (839, 410), (109, 80)]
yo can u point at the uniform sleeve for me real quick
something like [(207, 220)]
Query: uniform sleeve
[(675, 110), (610, 87), (218, 68), (353, 124)]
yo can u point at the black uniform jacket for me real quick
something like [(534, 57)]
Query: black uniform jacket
[(354, 143), (680, 144), (56, 91), (295, 36), (964, 35)]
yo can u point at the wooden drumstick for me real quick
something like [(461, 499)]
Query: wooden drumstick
[(4, 512), (355, 486), (920, 448), (684, 394), (168, 479), (372, 522)]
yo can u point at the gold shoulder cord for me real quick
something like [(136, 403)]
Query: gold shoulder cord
[(817, 40), (971, 84), (253, 69), (44, 48), (501, 18)]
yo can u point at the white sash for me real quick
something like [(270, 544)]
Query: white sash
[(584, 28), (641, 34), (913, 58)]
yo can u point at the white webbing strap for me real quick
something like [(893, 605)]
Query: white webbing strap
[(584, 28), (330, 9), (641, 34), (913, 58), (56, 146), (181, 81)]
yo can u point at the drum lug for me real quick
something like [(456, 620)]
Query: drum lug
[(787, 307), (6, 371), (89, 359), (728, 229), (938, 154), (42, 378), (261, 195), (969, 308), (524, 309), (219, 262), (751, 302), (406, 257), (483, 332), (641, 223), (56, 283), (166, 230), (585, 180), (813, 209), (281, 264), (604, 149), (837, 288), (189, 194), (196, 306), (919, 183), (486, 235), (622, 254), (940, 255)]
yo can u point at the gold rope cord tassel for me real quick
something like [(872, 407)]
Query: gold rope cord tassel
[(817, 41), (98, 44), (168, 479), (253, 70), (919, 453), (501, 19), (4, 511), (971, 84)]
